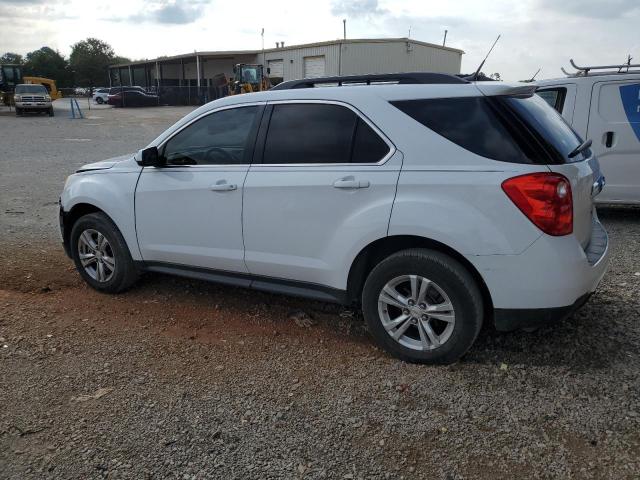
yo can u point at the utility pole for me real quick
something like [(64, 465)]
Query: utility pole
[(344, 28)]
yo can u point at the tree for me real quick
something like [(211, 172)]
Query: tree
[(89, 61), (10, 57), (48, 63)]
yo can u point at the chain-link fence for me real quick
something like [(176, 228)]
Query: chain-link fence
[(148, 97)]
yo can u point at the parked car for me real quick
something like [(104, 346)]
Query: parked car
[(80, 91), (131, 97), (32, 98), (100, 95), (435, 204), (604, 106)]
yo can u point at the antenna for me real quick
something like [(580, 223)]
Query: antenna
[(534, 75), (344, 28), (409, 36), (444, 41), (475, 75)]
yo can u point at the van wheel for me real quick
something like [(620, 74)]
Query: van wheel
[(18, 112), (51, 112), (99, 100), (422, 306), (101, 254)]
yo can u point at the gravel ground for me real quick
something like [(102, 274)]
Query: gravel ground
[(182, 379)]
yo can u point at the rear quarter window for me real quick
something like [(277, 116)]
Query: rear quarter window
[(469, 122), (504, 128)]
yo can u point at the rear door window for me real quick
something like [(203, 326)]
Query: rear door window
[(317, 133)]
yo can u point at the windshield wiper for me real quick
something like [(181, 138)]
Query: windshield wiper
[(580, 148)]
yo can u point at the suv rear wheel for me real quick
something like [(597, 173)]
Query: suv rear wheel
[(101, 254), (422, 306)]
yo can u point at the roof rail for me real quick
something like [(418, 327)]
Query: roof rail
[(585, 70), (393, 78)]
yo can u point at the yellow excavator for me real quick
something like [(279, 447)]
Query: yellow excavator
[(248, 78), (49, 84)]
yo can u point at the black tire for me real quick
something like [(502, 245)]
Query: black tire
[(99, 100), (51, 112), (18, 112), (125, 273), (449, 275)]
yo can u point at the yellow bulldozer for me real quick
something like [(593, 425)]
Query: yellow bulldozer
[(49, 84)]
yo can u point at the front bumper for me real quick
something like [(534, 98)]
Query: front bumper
[(34, 105), (61, 223), (547, 282)]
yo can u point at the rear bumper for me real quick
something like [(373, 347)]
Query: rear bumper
[(507, 319), (548, 281)]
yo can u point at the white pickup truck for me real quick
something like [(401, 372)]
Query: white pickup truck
[(602, 103)]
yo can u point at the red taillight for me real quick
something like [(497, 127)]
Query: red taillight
[(545, 199)]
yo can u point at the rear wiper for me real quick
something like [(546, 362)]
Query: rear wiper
[(580, 148)]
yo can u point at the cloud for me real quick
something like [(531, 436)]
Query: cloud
[(592, 8), (169, 12), (357, 8)]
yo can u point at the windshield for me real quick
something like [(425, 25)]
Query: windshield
[(31, 89), (549, 124)]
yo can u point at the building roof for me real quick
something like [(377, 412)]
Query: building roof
[(232, 53)]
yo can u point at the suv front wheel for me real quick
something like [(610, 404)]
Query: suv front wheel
[(101, 254), (422, 306)]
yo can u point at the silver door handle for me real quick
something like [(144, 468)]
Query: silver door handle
[(351, 183), (223, 187)]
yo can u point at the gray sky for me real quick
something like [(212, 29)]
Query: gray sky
[(535, 33)]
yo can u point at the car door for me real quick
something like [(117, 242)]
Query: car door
[(322, 190), (614, 127), (188, 213)]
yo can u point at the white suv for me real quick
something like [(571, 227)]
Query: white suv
[(434, 203)]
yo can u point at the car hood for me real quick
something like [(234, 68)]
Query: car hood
[(105, 164)]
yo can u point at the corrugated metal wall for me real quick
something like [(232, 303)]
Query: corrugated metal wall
[(391, 57), (293, 60), (347, 58)]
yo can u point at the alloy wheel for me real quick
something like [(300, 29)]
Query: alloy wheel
[(96, 255), (416, 312)]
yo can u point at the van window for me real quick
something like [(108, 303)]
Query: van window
[(317, 133), (507, 129), (554, 97)]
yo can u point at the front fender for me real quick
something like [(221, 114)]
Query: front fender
[(111, 192)]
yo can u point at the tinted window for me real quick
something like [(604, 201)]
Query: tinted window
[(221, 138), (548, 125), (31, 89), (469, 122), (507, 129), (554, 97), (368, 147), (320, 133)]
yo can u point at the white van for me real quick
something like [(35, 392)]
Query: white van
[(603, 104)]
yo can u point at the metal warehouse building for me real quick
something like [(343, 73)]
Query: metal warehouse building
[(338, 57)]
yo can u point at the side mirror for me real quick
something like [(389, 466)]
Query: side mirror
[(149, 157)]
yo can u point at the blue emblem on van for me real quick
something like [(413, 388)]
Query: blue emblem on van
[(630, 95)]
